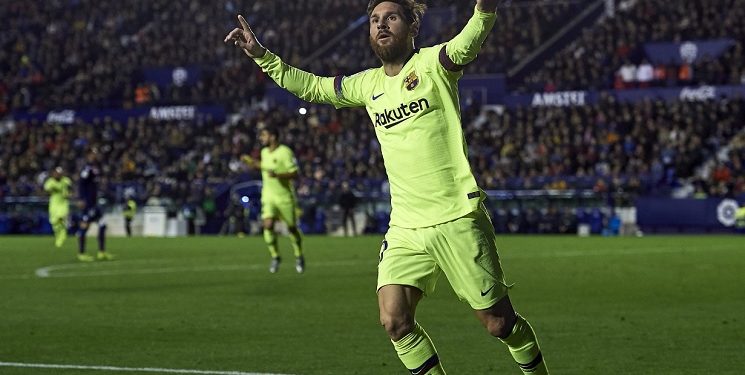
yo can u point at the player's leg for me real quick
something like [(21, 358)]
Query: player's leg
[(296, 239), (128, 226), (270, 238), (344, 220), (102, 254), (269, 214), (513, 330), (59, 228), (82, 233), (468, 256), (288, 213), (406, 273), (397, 304), (354, 223)]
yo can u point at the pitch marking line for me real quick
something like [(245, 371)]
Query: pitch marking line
[(79, 269), (130, 369)]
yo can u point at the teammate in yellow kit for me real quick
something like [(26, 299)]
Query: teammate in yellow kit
[(58, 187), (278, 202)]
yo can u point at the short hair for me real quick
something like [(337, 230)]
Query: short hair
[(413, 10), (272, 130)]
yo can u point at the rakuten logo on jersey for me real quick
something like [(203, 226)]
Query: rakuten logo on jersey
[(392, 117)]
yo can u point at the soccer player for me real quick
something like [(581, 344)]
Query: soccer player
[(58, 186), (88, 192), (129, 213), (278, 170), (438, 220)]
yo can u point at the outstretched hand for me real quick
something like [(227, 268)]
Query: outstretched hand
[(487, 5), (245, 39)]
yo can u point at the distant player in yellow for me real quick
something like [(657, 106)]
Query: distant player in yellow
[(278, 170), (438, 221), (130, 210), (58, 187)]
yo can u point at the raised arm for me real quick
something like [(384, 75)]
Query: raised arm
[(488, 6), (304, 85), (464, 48)]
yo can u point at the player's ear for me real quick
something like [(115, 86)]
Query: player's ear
[(414, 29)]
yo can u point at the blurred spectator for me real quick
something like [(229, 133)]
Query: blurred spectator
[(644, 74), (347, 202)]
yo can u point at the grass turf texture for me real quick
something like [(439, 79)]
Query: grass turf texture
[(652, 305)]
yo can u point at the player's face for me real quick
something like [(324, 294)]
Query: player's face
[(390, 33), (265, 138)]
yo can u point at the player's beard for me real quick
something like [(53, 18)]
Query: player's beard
[(395, 51)]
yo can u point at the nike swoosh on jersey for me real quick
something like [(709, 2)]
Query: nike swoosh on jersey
[(375, 97), (487, 291)]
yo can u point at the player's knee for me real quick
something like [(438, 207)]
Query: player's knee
[(397, 325), (500, 326)]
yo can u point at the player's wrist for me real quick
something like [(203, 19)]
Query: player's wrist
[(259, 53)]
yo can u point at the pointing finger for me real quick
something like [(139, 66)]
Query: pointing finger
[(244, 24)]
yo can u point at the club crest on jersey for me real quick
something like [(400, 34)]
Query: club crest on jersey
[(411, 81)]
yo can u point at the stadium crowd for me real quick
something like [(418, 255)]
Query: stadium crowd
[(645, 147), (63, 54), (610, 54)]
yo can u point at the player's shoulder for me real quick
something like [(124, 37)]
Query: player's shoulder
[(431, 53), (363, 73), (285, 149), (432, 50)]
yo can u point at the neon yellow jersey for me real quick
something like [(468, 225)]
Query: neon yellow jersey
[(281, 160), (416, 117), (131, 209), (59, 193)]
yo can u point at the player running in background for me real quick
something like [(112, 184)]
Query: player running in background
[(88, 192), (438, 221), (278, 170), (58, 187)]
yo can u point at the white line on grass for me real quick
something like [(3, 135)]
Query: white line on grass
[(94, 269), (130, 369), (49, 271)]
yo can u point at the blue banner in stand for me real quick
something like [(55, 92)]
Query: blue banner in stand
[(579, 98), (551, 99), (690, 94), (158, 113), (686, 52), (687, 215)]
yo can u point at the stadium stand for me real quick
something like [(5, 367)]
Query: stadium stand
[(71, 54), (611, 54)]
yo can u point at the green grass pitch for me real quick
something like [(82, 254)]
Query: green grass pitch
[(652, 305)]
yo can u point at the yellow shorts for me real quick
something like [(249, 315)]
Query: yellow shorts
[(285, 210), (464, 249), (57, 214)]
